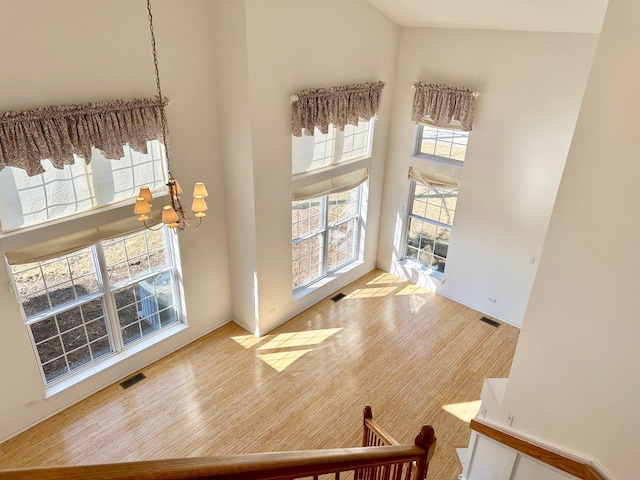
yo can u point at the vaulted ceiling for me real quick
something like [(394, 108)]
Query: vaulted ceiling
[(579, 16)]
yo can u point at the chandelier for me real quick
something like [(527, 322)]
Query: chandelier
[(173, 215)]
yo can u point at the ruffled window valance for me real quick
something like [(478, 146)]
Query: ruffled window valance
[(338, 105), (58, 133), (443, 106)]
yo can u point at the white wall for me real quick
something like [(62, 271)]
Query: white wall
[(574, 379), (75, 51), (530, 85), (292, 45), (232, 74)]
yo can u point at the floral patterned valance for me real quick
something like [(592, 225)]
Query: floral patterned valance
[(338, 105), (441, 105), (58, 133)]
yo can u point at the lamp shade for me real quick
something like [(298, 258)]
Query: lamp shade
[(200, 189), (199, 205), (142, 207), (169, 215), (146, 194)]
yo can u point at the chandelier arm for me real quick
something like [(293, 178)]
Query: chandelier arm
[(163, 115), (184, 219), (160, 226)]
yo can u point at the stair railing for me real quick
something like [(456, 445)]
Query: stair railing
[(388, 462), (375, 436)]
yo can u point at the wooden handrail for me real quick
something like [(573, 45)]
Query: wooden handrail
[(263, 466), (371, 426), (374, 435), (368, 462), (554, 459)]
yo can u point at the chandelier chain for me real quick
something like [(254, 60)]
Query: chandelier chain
[(163, 117)]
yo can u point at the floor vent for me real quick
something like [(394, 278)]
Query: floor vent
[(493, 323), (133, 380), (339, 296)]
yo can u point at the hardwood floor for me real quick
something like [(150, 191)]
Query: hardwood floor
[(414, 356)]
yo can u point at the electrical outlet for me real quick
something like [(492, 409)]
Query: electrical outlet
[(31, 403), (492, 300), (531, 259)]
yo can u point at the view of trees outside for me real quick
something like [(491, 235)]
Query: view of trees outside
[(63, 299), (335, 215), (430, 220)]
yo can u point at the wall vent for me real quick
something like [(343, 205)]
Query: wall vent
[(493, 323), (339, 296), (133, 380)]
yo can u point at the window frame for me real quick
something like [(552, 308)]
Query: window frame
[(417, 146), (338, 149), (324, 231), (438, 224), (106, 292)]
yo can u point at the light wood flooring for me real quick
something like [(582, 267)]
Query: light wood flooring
[(414, 356)]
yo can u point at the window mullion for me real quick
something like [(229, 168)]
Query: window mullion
[(325, 239), (111, 312), (338, 145), (170, 246)]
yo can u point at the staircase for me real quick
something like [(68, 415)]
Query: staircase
[(380, 457)]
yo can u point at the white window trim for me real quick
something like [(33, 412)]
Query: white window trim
[(325, 247), (412, 264), (111, 317), (416, 153)]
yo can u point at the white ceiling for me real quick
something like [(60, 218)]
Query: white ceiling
[(580, 16)]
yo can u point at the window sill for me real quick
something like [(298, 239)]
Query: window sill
[(112, 360), (298, 294)]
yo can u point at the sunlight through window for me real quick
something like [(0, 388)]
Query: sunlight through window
[(413, 289), (465, 411), (299, 339), (371, 292), (278, 352), (281, 360), (248, 341)]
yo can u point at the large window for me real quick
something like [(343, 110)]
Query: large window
[(325, 150), (324, 235), (440, 143), (80, 187), (86, 305), (430, 218)]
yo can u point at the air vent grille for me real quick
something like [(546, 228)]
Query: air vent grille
[(491, 322), (133, 380)]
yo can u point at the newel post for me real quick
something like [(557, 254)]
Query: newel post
[(426, 440), (367, 414)]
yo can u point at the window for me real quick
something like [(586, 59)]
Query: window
[(442, 143), (324, 150), (324, 235), (430, 219), (76, 188), (83, 306)]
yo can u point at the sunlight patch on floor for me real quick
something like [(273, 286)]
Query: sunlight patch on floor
[(371, 292), (299, 339), (248, 341), (285, 342), (465, 411), (413, 289), (281, 360), (386, 279)]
